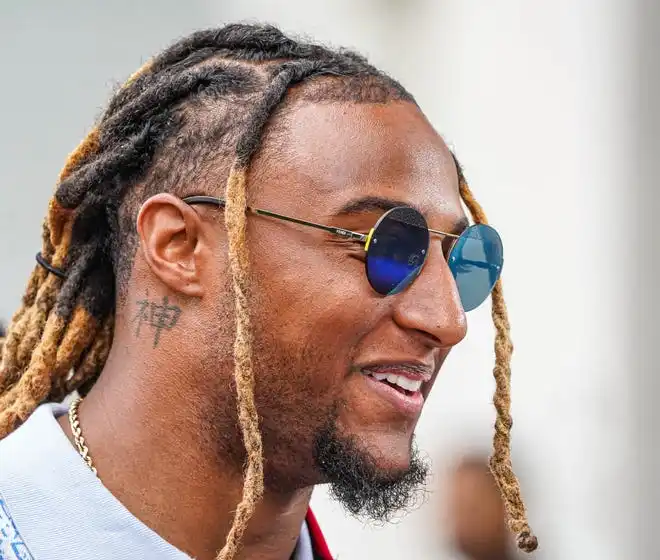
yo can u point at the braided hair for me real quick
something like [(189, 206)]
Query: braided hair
[(151, 138)]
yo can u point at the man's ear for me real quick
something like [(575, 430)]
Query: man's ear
[(169, 231)]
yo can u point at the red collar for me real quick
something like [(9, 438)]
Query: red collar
[(321, 550)]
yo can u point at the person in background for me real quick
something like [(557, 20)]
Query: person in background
[(475, 512)]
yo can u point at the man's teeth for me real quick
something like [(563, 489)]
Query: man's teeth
[(398, 380)]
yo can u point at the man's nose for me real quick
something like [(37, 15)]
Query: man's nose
[(431, 306)]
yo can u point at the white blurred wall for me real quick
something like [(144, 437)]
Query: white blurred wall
[(642, 289), (540, 100)]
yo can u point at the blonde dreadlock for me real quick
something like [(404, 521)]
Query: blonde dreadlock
[(60, 337), (500, 462)]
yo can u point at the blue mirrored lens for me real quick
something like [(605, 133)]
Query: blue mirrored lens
[(397, 250), (476, 261)]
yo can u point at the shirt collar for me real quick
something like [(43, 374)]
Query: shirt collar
[(317, 540)]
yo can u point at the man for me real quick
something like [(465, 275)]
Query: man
[(231, 275)]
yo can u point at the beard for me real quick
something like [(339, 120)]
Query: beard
[(296, 428), (359, 485), (299, 421)]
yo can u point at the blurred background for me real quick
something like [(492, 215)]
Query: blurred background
[(552, 107)]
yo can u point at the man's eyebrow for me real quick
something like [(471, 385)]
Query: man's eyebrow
[(370, 204), (377, 203), (459, 226)]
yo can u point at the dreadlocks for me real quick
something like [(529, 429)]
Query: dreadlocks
[(154, 134)]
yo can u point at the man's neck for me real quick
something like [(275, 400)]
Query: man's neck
[(160, 469)]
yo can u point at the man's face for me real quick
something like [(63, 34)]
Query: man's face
[(321, 333)]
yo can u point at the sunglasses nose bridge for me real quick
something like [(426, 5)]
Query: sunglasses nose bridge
[(438, 275)]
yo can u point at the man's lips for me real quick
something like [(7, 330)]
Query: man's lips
[(412, 371), (399, 383)]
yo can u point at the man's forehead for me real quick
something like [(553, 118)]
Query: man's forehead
[(326, 154)]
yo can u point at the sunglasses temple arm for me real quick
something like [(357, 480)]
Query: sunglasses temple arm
[(202, 199), (334, 230)]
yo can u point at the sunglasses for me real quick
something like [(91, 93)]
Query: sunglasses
[(397, 247)]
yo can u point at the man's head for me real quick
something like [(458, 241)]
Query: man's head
[(256, 314)]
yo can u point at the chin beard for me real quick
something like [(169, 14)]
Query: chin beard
[(359, 485)]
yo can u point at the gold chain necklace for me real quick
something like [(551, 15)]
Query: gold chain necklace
[(78, 436)]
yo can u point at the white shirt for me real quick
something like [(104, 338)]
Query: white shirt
[(53, 507)]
